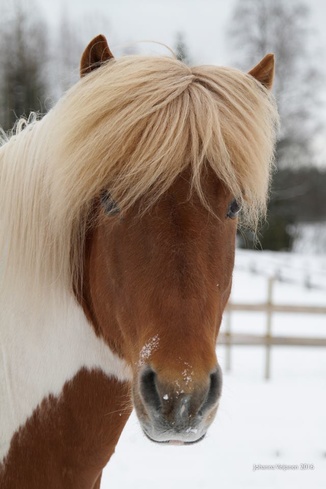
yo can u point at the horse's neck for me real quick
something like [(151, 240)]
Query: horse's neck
[(56, 377), (59, 382), (69, 440)]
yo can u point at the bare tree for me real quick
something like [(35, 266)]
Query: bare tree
[(68, 47), (23, 61), (73, 34), (282, 27)]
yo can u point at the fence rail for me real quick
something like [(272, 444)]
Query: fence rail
[(269, 307), (229, 339), (243, 339)]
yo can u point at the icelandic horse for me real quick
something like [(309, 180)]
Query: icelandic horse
[(118, 216)]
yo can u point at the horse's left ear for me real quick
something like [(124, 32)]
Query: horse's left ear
[(96, 53), (264, 71)]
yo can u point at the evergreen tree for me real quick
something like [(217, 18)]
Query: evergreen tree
[(181, 49)]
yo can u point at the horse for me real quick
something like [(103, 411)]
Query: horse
[(119, 210)]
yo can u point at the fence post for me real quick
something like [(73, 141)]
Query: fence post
[(268, 335), (228, 342)]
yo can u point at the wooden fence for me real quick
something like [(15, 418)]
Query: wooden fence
[(230, 339)]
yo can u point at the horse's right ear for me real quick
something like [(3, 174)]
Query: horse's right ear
[(96, 53)]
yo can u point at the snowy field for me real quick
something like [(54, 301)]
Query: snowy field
[(278, 425)]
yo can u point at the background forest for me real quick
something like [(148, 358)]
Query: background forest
[(38, 63)]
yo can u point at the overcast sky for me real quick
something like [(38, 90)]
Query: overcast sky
[(203, 22)]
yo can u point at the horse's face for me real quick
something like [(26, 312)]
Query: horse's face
[(155, 288)]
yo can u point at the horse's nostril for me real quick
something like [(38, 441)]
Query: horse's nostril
[(148, 389), (215, 390)]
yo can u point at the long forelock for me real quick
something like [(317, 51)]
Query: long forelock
[(148, 118), (132, 127)]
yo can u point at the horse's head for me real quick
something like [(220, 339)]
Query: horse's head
[(157, 278), (158, 283)]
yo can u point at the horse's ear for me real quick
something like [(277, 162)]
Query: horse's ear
[(264, 71), (96, 53)]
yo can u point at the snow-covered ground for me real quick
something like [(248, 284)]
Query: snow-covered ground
[(279, 425)]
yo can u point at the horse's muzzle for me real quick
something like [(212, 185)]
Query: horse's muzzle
[(173, 412)]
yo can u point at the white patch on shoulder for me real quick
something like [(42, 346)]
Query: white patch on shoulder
[(40, 353)]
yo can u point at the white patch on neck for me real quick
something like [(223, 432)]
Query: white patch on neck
[(40, 353)]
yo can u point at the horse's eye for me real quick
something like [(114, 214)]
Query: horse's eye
[(234, 209), (110, 206)]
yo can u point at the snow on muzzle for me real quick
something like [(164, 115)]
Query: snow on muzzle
[(176, 411)]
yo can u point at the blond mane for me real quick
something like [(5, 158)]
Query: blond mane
[(131, 127)]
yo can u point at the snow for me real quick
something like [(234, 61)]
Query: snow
[(187, 373), (267, 434), (148, 349)]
